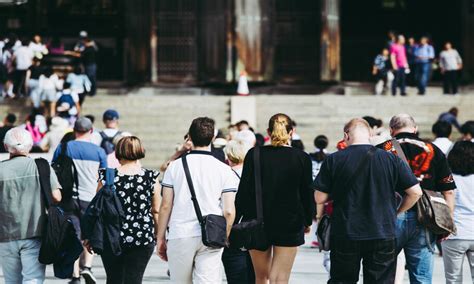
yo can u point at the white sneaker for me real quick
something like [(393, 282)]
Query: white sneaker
[(88, 276)]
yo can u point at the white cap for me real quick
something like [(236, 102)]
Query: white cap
[(83, 34), (18, 141), (247, 137)]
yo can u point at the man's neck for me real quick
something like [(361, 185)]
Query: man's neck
[(205, 148), (85, 138), (361, 142)]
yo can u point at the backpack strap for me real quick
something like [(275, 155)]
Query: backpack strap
[(44, 176), (103, 135)]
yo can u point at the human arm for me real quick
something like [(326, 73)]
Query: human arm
[(413, 193), (450, 200), (155, 204), (228, 204), (393, 59), (459, 60), (163, 221), (306, 192), (56, 195), (185, 147), (322, 184)]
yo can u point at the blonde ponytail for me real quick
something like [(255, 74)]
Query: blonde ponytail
[(280, 128)]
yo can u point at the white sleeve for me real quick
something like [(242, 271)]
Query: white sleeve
[(168, 180), (230, 181)]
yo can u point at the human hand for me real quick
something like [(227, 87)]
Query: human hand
[(161, 249)]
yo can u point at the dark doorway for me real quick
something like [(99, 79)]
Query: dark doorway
[(297, 41)]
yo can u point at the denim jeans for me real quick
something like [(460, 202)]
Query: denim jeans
[(378, 258), (417, 243), (129, 267), (423, 71), (238, 266), (399, 81), (19, 261)]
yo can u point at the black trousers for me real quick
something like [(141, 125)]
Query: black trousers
[(378, 258), (129, 267), (238, 266), (19, 82), (450, 82)]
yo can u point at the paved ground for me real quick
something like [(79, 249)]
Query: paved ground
[(307, 269)]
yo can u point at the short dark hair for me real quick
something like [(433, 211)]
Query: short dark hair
[(201, 131), (461, 158), (90, 117), (66, 85), (441, 129), (130, 149), (321, 142), (468, 128), (11, 118)]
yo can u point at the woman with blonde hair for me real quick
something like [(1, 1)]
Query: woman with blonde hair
[(288, 205)]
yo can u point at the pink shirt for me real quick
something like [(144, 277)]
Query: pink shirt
[(400, 55)]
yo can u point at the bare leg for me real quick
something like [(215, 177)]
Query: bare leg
[(400, 274), (262, 263), (282, 263)]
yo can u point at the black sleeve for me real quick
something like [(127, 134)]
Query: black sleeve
[(306, 191), (443, 178), (247, 185), (323, 181), (406, 178)]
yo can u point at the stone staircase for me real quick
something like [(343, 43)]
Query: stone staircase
[(162, 120), (327, 114)]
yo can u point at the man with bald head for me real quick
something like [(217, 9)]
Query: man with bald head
[(362, 181), (430, 166)]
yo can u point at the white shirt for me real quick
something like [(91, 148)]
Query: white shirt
[(38, 49), (23, 58), (444, 144), (51, 84), (464, 207), (211, 178)]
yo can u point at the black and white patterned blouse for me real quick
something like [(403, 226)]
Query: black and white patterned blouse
[(136, 193)]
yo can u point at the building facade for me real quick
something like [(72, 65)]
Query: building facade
[(189, 42)]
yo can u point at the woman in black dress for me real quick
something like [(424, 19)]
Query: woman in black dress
[(288, 204)]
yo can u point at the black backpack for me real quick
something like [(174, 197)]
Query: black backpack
[(59, 243), (67, 176), (107, 142)]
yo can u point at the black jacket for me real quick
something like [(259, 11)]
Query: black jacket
[(102, 220)]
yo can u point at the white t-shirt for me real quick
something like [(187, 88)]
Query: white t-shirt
[(444, 144), (23, 58), (211, 178), (97, 138), (464, 207)]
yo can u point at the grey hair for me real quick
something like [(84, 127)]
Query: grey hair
[(18, 141), (401, 121)]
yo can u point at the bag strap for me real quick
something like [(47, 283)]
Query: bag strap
[(44, 177), (362, 164), (191, 189), (398, 150), (258, 183), (74, 169), (109, 178)]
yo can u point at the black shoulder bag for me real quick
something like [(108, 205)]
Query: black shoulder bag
[(432, 210), (323, 231), (213, 227), (251, 234)]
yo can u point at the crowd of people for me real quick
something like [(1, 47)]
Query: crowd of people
[(401, 63), (242, 177), (27, 69)]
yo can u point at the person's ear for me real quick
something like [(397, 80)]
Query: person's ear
[(416, 130), (292, 131), (346, 137)]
